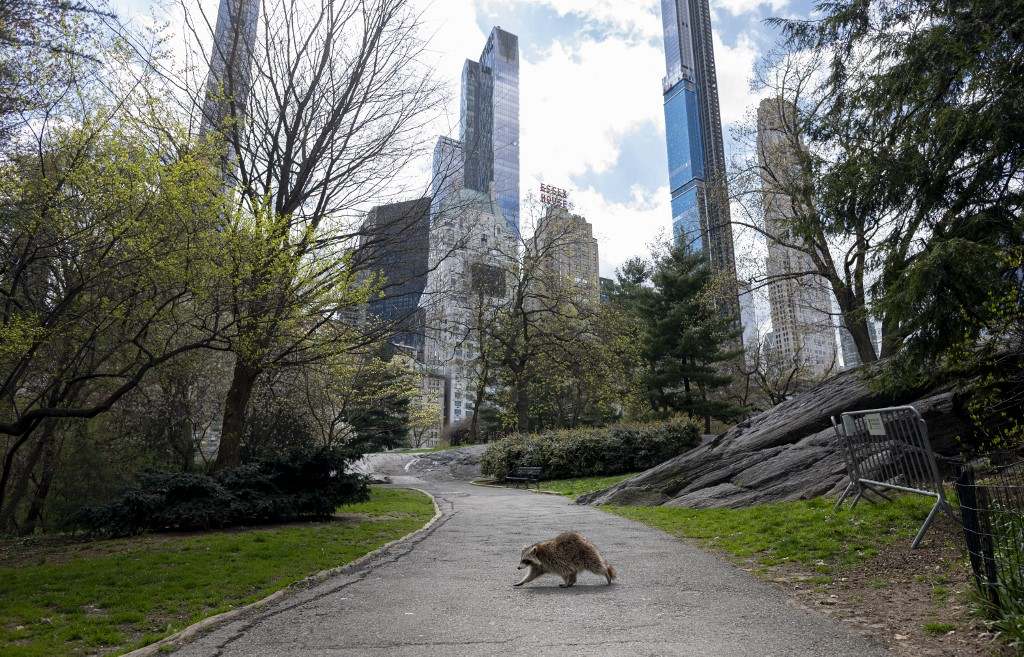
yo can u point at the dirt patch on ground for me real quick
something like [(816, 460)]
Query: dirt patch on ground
[(919, 603)]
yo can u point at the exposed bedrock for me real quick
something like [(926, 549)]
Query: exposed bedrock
[(789, 452)]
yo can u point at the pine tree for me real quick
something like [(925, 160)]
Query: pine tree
[(689, 338)]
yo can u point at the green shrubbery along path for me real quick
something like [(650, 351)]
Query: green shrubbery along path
[(592, 451)]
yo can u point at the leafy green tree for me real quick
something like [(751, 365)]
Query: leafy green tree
[(944, 85), (380, 419), (592, 379), (99, 284), (689, 338)]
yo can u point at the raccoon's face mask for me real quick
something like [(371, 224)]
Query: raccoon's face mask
[(525, 560)]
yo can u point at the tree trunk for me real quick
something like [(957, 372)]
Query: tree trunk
[(852, 309), (890, 341), (8, 513), (243, 378), (862, 339), (8, 504), (35, 511), (522, 407)]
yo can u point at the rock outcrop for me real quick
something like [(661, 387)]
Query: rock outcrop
[(789, 452), (458, 463)]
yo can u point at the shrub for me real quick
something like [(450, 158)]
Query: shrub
[(301, 484), (588, 452), (457, 433)]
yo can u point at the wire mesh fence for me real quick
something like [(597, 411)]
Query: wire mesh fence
[(991, 500), (887, 449)]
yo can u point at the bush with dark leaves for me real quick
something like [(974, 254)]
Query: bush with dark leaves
[(298, 485), (610, 450)]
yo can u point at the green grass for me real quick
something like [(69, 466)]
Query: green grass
[(106, 597), (805, 532), (938, 628), (577, 487)]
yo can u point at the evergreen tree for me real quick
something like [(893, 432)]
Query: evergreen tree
[(931, 89), (689, 338), (380, 419)]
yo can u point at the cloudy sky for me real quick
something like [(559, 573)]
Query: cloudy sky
[(590, 95)]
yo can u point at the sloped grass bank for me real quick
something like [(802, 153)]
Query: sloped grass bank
[(854, 565), (582, 485), (806, 532), (108, 597)]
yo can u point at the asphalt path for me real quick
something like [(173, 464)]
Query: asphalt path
[(449, 592)]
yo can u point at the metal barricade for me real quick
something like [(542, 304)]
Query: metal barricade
[(888, 449)]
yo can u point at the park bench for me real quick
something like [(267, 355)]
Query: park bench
[(525, 474)]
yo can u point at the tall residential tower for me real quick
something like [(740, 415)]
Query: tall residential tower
[(488, 143), (800, 299), (693, 130)]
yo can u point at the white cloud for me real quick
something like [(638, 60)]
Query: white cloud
[(579, 101), (638, 17), (738, 7), (735, 67), (624, 230), (577, 104)]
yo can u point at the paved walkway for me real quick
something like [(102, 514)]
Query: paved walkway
[(450, 593)]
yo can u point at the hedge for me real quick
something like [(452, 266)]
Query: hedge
[(300, 484), (615, 449)]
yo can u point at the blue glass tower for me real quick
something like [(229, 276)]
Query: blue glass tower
[(693, 131), (489, 122)]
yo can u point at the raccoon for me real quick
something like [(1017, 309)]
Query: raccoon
[(565, 555)]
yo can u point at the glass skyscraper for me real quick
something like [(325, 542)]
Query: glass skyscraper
[(489, 122), (693, 131)]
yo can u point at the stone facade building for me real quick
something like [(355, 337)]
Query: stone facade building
[(471, 249), (800, 300), (566, 243)]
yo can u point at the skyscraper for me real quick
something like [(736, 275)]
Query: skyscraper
[(693, 131), (801, 301), (394, 245), (570, 253), (447, 175), (471, 249), (748, 320), (229, 79), (489, 122)]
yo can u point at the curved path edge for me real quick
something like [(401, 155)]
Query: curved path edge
[(185, 635)]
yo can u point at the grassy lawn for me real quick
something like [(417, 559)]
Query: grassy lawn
[(805, 532), (577, 487), (108, 597)]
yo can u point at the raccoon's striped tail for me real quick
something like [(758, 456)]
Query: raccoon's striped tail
[(610, 573)]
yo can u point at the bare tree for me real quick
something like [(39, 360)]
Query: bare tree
[(337, 104), (786, 191), (544, 312)]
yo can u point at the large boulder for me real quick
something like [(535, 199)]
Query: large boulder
[(455, 464), (789, 452)]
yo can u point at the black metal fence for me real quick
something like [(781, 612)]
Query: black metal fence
[(991, 500)]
